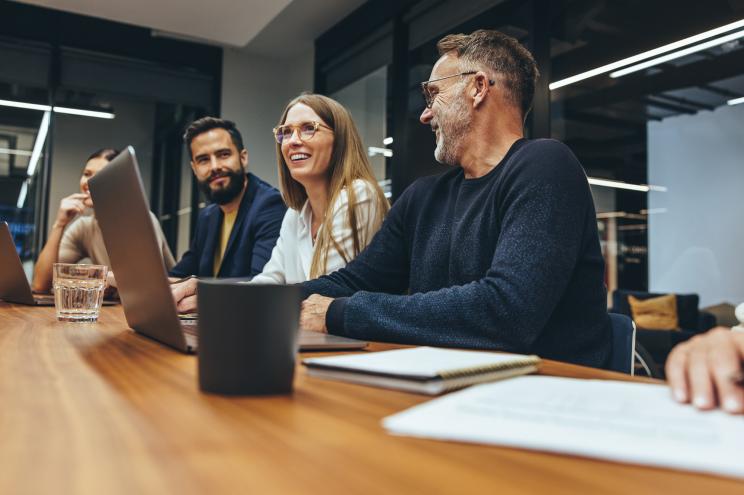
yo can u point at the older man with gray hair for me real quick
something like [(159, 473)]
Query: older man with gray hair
[(502, 251)]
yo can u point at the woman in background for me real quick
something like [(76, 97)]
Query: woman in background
[(76, 236)]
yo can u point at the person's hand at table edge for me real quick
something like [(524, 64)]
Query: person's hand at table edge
[(704, 370), (313, 313)]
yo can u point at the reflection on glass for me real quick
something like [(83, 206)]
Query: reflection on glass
[(22, 146), (366, 100)]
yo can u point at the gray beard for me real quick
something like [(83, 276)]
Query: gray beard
[(452, 128)]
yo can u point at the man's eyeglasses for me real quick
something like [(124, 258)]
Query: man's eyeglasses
[(306, 130), (430, 95)]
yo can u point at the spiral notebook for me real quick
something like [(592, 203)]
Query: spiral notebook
[(424, 370)]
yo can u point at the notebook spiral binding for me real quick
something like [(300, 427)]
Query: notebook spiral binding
[(477, 370)]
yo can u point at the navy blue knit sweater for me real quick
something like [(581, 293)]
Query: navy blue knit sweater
[(508, 261)]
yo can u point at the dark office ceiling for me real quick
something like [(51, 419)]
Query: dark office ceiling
[(604, 119)]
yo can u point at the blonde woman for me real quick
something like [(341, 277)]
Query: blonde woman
[(335, 204)]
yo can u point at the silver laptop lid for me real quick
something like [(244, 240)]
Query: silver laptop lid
[(13, 283), (136, 260)]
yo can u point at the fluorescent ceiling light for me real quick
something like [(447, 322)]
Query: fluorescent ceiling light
[(38, 145), (653, 211), (374, 151), (625, 185), (617, 184), (657, 188), (6, 151), (387, 141), (22, 194), (678, 54), (736, 101), (35, 155), (27, 106), (648, 54), (66, 110), (84, 113)]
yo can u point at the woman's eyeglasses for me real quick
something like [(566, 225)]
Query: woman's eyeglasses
[(306, 130)]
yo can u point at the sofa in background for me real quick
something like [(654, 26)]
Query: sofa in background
[(659, 343)]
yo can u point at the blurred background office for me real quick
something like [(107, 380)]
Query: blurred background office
[(659, 137)]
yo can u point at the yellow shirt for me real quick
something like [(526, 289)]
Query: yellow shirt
[(227, 225)]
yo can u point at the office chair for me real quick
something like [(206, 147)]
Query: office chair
[(623, 344)]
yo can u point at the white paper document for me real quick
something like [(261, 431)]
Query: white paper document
[(619, 421)]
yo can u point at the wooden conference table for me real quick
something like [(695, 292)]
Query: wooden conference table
[(95, 408)]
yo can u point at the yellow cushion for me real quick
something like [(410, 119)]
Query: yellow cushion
[(656, 313)]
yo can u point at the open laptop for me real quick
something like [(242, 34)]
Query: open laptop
[(14, 286), (129, 235)]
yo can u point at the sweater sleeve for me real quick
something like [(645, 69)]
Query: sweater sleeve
[(543, 213)]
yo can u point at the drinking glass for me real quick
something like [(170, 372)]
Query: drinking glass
[(78, 291)]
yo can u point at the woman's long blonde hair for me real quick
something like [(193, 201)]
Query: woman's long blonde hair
[(348, 163)]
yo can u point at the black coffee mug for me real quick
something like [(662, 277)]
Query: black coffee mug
[(247, 337)]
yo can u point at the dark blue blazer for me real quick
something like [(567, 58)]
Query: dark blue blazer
[(251, 241)]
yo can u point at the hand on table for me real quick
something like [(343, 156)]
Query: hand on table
[(313, 313), (184, 294), (700, 370)]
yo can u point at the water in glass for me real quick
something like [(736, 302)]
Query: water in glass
[(78, 291)]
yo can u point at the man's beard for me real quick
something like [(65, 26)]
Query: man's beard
[(454, 122), (229, 192)]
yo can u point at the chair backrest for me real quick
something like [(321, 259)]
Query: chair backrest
[(623, 343)]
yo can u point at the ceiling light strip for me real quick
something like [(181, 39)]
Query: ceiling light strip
[(34, 160), (84, 113), (374, 151), (648, 54), (6, 151), (678, 54), (736, 101), (24, 105), (22, 194), (65, 110), (617, 184), (625, 185), (38, 145)]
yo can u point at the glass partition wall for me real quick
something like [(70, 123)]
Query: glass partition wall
[(70, 85), (366, 99), (655, 132), (23, 150)]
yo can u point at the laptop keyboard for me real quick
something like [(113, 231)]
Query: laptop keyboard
[(190, 327)]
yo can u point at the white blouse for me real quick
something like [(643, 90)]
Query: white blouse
[(291, 258)]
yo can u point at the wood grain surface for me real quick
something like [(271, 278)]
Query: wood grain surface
[(95, 408)]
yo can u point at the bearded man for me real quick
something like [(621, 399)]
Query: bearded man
[(236, 233), (502, 251)]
